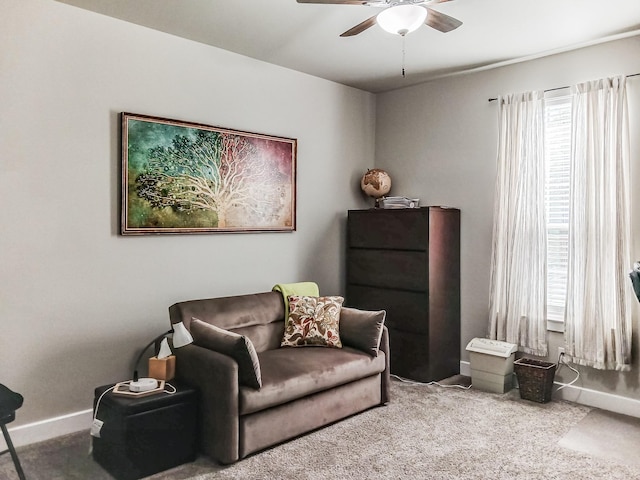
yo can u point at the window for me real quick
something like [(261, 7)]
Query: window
[(559, 156), (557, 149)]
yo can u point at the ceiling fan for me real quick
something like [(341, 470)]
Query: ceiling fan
[(399, 16)]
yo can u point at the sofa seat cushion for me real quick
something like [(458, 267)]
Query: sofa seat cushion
[(292, 373)]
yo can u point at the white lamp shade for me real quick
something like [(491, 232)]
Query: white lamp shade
[(165, 350), (402, 19), (181, 335)]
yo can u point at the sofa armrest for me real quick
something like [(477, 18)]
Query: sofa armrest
[(216, 377), (385, 393)]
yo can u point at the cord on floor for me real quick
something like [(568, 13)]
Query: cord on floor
[(428, 384), (562, 362)]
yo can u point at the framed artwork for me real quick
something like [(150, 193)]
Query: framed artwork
[(181, 177)]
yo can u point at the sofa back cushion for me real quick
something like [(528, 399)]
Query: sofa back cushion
[(238, 347), (362, 329), (313, 321), (258, 316)]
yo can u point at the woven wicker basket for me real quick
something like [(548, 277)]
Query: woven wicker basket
[(535, 378)]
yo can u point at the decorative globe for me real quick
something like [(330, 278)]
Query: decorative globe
[(376, 183)]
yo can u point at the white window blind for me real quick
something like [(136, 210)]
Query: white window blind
[(557, 185)]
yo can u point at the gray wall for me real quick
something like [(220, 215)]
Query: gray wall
[(438, 141), (77, 301)]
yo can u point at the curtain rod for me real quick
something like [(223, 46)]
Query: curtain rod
[(560, 88)]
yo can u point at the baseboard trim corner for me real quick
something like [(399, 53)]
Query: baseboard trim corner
[(465, 368)]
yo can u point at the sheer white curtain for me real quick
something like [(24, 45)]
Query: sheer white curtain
[(598, 318), (518, 264)]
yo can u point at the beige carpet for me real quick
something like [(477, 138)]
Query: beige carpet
[(425, 433)]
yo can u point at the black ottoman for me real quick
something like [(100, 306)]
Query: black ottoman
[(143, 436)]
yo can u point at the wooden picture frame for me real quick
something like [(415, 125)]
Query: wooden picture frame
[(181, 177)]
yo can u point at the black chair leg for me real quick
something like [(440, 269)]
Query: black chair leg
[(12, 451)]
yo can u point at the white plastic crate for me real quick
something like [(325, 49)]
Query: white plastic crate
[(491, 364)]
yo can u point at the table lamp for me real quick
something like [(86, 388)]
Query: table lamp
[(161, 367)]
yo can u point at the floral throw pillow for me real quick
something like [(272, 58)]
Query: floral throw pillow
[(313, 321)]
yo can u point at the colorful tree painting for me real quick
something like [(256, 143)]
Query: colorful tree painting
[(194, 178)]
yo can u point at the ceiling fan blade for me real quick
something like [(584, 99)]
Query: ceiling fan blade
[(361, 27), (440, 21), (340, 2)]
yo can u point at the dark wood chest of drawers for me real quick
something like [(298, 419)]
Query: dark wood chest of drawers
[(407, 262)]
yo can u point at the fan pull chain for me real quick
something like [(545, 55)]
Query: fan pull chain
[(403, 54)]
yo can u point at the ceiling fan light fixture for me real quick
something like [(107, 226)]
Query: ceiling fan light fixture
[(402, 19)]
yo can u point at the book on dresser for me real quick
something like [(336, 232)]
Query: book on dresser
[(407, 262)]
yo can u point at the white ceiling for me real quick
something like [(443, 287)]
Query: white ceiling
[(305, 37)]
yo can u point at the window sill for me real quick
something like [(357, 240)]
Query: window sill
[(555, 326)]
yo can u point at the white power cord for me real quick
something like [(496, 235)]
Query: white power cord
[(95, 414), (428, 384), (562, 362), (96, 425)]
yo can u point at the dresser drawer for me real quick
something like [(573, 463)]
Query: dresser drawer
[(394, 229), (406, 311), (388, 268)]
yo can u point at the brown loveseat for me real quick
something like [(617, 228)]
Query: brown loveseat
[(302, 388)]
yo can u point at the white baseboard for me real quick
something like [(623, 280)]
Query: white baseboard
[(586, 396), (602, 400), (48, 429)]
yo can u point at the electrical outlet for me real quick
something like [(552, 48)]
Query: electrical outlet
[(560, 354)]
